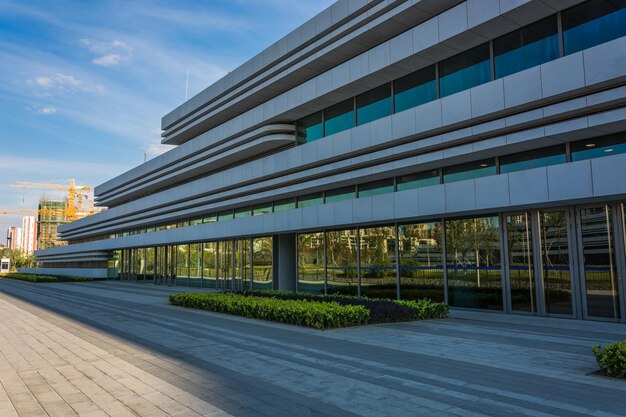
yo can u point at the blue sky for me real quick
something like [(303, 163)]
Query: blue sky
[(84, 84)]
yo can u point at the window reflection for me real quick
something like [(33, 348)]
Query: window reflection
[(341, 247), (378, 262), (311, 263), (339, 117), (469, 170), (414, 89), (374, 104), (465, 70), (592, 23), (262, 248)]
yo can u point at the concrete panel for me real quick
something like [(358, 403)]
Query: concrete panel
[(456, 108), (403, 123), (480, 11), (362, 209), (562, 75), (522, 87), (401, 46), (562, 187), (605, 62), (382, 207), (453, 21), (381, 130), (343, 211), (406, 203), (460, 196), (608, 175), (428, 116), (432, 200), (492, 191), (425, 35), (487, 98)]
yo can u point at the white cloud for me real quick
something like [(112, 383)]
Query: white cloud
[(156, 148), (109, 53), (47, 110), (63, 82)]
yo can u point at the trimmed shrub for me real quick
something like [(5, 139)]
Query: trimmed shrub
[(381, 310), (298, 312), (612, 359), (42, 278)]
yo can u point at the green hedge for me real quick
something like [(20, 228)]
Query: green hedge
[(612, 359), (41, 278), (301, 313)]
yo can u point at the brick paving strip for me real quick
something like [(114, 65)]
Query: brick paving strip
[(117, 349)]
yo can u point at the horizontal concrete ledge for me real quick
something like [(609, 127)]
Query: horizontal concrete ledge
[(94, 273)]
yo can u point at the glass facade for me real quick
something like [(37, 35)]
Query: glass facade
[(520, 262), (311, 200), (376, 187), (283, 205), (414, 89), (209, 264), (311, 263), (420, 250), (465, 70), (339, 117), (310, 128), (341, 262), (469, 170), (473, 263), (262, 277), (195, 265), (422, 179), (341, 194), (592, 23), (533, 159), (377, 262), (555, 255), (528, 47), (599, 147), (374, 104)]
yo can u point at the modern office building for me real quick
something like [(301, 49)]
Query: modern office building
[(467, 151)]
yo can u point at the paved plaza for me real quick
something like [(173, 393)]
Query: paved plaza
[(119, 349)]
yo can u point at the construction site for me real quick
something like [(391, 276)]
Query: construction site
[(51, 212)]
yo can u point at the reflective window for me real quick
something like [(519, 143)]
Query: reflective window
[(310, 128), (195, 265), (419, 180), (339, 117), (182, 264), (341, 259), (243, 212), (414, 89), (225, 215), (373, 104), (521, 265), (376, 187), (527, 47), (598, 147), (473, 263), (182, 223), (465, 70), (194, 221), (341, 194), (149, 264), (533, 159), (421, 261), (311, 263), (592, 23), (600, 269), (242, 277), (378, 262), (264, 208), (262, 263), (225, 265), (285, 204), (210, 218), (209, 270), (555, 262), (311, 200), (469, 170)]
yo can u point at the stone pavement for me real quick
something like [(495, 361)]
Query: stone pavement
[(117, 349)]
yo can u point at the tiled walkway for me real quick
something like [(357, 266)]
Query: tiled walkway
[(111, 348)]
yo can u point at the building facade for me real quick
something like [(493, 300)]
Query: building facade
[(14, 237), (29, 235), (472, 152)]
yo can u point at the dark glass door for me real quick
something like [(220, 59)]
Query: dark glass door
[(520, 260), (555, 265), (598, 262)]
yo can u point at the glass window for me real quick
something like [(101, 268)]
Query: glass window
[(533, 159), (598, 147), (527, 47), (421, 261), (378, 262), (195, 221), (339, 117), (224, 215), (311, 263), (262, 263), (182, 223), (208, 264), (373, 104), (243, 212), (341, 258), (592, 23), (260, 209), (470, 170), (311, 200), (149, 264), (285, 204), (555, 262), (341, 194), (210, 218), (182, 264), (473, 263), (422, 179), (310, 128), (465, 70), (521, 266), (376, 187), (195, 265), (225, 265), (414, 89)]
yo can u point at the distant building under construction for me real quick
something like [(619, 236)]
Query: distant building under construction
[(51, 216)]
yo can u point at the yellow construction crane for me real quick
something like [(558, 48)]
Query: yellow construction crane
[(76, 196)]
